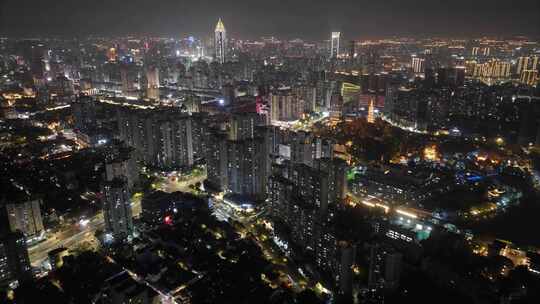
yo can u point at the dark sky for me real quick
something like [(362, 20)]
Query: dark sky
[(311, 19)]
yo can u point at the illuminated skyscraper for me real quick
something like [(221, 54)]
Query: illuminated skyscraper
[(220, 42), (529, 77), (334, 44), (111, 54), (417, 64), (371, 112)]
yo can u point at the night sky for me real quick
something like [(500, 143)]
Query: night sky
[(310, 19)]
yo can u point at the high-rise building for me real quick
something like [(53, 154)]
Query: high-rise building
[(352, 49), (25, 217), (37, 66), (244, 172), (128, 77), (305, 148), (237, 161), (522, 64), (216, 160), (284, 106), (167, 138), (371, 112), (242, 125), (152, 78), (117, 209), (315, 190), (220, 42), (138, 129), (392, 270), (334, 44), (14, 260), (345, 259), (111, 54), (493, 70), (529, 77), (84, 113), (417, 65), (527, 63), (120, 162), (175, 142)]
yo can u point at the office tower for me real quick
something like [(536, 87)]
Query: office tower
[(25, 217), (371, 112), (334, 44), (14, 260), (417, 65), (117, 209), (220, 42), (152, 77)]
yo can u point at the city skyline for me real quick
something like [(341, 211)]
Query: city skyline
[(248, 19), (207, 152)]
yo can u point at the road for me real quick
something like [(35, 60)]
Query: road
[(249, 226), (72, 236), (69, 237)]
